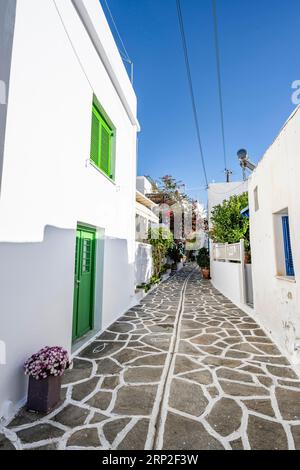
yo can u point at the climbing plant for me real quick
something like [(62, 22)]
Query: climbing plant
[(161, 239), (228, 225)]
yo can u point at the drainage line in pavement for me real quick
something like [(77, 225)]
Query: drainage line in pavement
[(159, 420)]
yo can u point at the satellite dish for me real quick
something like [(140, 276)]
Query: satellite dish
[(242, 155)]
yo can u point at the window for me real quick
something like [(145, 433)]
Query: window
[(101, 143), (256, 202), (289, 264), (283, 246)]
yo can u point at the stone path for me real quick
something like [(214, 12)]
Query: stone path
[(186, 369)]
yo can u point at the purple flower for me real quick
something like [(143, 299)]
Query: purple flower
[(48, 361)]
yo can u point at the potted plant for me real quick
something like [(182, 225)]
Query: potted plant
[(177, 253), (168, 268), (203, 261), (45, 369)]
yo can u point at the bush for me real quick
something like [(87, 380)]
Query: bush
[(161, 239), (229, 226), (203, 259), (176, 252)]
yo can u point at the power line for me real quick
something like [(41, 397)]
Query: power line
[(191, 87), (217, 48), (125, 55)]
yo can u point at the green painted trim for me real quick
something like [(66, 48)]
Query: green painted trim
[(93, 232)]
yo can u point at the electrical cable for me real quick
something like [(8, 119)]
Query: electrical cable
[(117, 31), (191, 87), (217, 48)]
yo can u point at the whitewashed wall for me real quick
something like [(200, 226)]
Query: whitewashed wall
[(57, 65), (7, 25), (143, 263), (35, 308), (276, 299), (227, 278), (143, 185)]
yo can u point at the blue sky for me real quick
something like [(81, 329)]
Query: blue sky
[(259, 58)]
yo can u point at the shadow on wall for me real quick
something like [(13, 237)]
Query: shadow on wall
[(36, 303)]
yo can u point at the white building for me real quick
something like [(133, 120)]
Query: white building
[(275, 227), (146, 216), (67, 173)]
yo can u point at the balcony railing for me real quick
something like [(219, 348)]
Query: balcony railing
[(228, 251)]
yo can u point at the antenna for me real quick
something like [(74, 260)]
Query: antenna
[(244, 162), (228, 174)]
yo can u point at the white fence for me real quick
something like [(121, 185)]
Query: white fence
[(228, 271), (143, 263), (228, 252)]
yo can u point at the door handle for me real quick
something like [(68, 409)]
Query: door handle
[(77, 282)]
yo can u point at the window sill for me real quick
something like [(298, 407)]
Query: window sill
[(101, 172), (287, 279)]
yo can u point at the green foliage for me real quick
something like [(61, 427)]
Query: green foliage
[(228, 224), (176, 252), (161, 239), (203, 258), (153, 280), (171, 189)]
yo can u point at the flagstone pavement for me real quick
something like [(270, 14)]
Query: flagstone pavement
[(185, 369)]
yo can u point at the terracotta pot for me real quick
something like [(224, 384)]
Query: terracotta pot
[(205, 273), (44, 394), (247, 258)]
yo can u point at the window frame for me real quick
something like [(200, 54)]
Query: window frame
[(281, 245), (256, 199), (287, 246)]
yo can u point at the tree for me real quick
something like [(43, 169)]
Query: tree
[(167, 190), (228, 225)]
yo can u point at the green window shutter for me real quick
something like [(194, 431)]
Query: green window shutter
[(105, 149), (95, 138), (101, 143)]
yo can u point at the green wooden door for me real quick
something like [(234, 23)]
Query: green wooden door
[(84, 281)]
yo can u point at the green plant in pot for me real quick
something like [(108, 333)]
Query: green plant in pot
[(176, 252), (203, 261)]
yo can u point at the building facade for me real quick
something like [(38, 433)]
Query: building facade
[(67, 172), (146, 216), (274, 228)]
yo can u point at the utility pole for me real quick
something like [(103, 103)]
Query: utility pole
[(228, 174)]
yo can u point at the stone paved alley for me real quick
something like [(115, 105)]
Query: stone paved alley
[(186, 369)]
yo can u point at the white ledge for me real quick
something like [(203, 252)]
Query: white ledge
[(287, 279)]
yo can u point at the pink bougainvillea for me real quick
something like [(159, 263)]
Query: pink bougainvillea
[(48, 361)]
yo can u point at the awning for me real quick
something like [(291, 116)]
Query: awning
[(245, 212)]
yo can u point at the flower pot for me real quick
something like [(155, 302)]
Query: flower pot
[(247, 258), (43, 394), (205, 273)]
